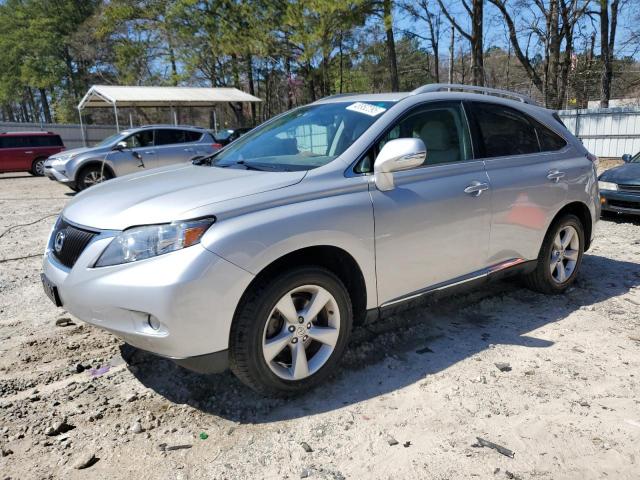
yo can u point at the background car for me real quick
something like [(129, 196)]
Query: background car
[(27, 151), (620, 187), (225, 137), (128, 151)]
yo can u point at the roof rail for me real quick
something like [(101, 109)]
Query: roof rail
[(439, 87)]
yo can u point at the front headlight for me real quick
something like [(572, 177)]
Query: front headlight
[(56, 162), (138, 243), (607, 185)]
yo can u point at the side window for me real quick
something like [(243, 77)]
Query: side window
[(549, 141), (443, 130), (169, 136), (140, 139), (504, 131), (45, 141), (191, 136), (14, 142)]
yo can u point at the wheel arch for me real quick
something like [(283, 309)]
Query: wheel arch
[(336, 260), (580, 210), (90, 163)]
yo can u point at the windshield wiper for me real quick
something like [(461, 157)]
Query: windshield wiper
[(248, 166)]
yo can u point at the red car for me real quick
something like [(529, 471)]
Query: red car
[(27, 151)]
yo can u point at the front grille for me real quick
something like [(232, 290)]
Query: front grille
[(68, 242), (623, 204), (629, 188)]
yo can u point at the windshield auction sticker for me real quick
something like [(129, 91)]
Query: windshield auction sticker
[(367, 109)]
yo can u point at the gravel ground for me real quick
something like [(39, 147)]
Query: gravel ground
[(413, 393)]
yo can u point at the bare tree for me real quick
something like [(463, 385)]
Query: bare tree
[(422, 10), (560, 18), (475, 36)]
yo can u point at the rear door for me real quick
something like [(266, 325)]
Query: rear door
[(433, 227), (527, 181), (15, 154), (171, 147)]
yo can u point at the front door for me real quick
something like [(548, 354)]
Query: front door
[(433, 227), (140, 153)]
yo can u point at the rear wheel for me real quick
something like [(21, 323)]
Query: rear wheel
[(37, 167), (92, 175), (560, 257), (289, 333)]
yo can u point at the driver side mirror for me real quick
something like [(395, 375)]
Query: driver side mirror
[(396, 155), (626, 158), (120, 146)]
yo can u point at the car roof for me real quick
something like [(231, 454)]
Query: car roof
[(28, 134)]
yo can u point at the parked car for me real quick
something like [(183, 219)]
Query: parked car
[(27, 151), (225, 137), (620, 187), (128, 151), (265, 256)]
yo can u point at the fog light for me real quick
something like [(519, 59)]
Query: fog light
[(602, 201), (154, 323)]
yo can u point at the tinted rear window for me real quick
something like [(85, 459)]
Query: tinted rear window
[(166, 136), (504, 131), (549, 140), (30, 141), (191, 136)]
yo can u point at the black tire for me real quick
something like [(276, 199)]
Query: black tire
[(87, 174), (541, 280), (37, 167), (246, 357)]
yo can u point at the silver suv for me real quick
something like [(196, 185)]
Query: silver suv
[(265, 255), (127, 152)]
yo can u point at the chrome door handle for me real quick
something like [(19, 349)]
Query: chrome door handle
[(476, 188), (555, 175), (188, 149), (30, 151), (150, 152)]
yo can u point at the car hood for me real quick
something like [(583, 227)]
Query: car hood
[(628, 174), (167, 194), (72, 151)]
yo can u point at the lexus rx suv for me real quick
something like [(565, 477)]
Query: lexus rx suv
[(264, 256), (27, 151), (128, 151)]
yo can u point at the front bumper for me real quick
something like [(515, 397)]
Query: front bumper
[(54, 174), (193, 293), (620, 202)]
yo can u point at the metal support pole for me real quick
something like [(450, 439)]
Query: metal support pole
[(130, 120), (115, 111), (175, 117), (215, 121), (84, 139)]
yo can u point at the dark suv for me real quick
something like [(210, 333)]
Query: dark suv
[(27, 151)]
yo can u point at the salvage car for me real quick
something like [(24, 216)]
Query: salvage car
[(146, 147), (620, 187), (265, 255)]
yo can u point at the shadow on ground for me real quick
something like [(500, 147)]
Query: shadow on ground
[(400, 350)]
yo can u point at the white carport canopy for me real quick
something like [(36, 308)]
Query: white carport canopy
[(134, 96)]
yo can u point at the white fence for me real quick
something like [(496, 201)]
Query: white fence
[(70, 133), (605, 132)]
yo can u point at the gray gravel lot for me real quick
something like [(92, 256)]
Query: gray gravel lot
[(413, 394)]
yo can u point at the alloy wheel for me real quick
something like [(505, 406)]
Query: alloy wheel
[(564, 254), (301, 332)]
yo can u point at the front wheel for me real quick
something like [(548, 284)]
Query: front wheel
[(289, 333), (92, 175), (560, 257)]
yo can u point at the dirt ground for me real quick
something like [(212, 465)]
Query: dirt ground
[(413, 393)]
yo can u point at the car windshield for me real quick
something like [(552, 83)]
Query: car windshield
[(304, 138), (116, 137), (636, 158), (222, 134)]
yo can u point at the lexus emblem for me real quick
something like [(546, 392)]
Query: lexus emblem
[(59, 241)]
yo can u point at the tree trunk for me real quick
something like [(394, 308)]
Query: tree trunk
[(452, 53), (45, 105), (391, 45), (252, 90), (477, 53), (607, 42)]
